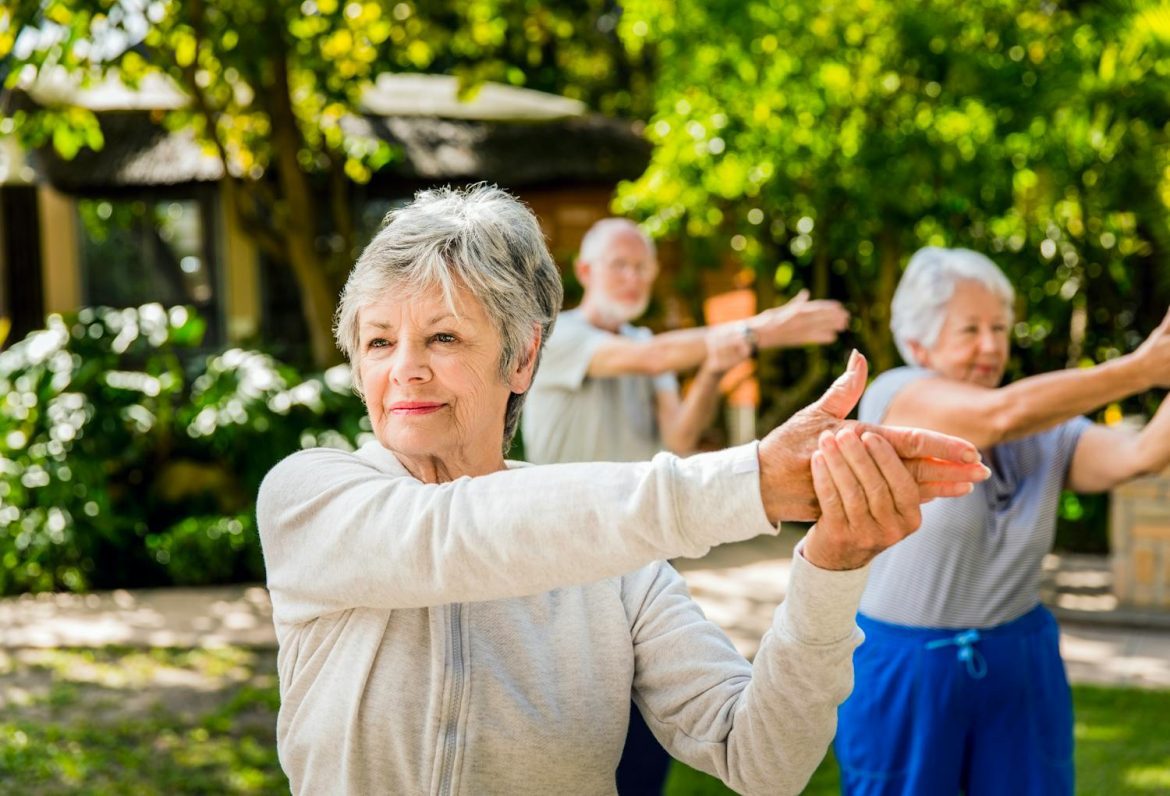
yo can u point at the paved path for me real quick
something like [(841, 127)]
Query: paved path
[(738, 587)]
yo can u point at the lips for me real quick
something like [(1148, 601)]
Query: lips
[(409, 408)]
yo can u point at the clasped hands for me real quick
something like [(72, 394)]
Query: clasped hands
[(862, 483)]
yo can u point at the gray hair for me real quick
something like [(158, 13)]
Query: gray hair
[(597, 239), (480, 238), (920, 302)]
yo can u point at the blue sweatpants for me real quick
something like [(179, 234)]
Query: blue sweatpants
[(942, 711)]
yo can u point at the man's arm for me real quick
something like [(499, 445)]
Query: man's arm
[(799, 322), (682, 422)]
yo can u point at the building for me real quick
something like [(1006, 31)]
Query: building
[(147, 218)]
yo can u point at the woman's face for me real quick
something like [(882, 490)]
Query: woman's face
[(973, 343), (432, 385)]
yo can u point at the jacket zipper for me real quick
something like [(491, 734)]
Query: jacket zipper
[(449, 737)]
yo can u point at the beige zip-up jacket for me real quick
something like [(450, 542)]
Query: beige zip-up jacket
[(484, 636)]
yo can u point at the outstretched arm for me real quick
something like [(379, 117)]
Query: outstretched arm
[(986, 416), (799, 322), (1106, 457)]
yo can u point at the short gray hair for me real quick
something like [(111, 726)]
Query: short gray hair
[(594, 244), (480, 238), (920, 302)]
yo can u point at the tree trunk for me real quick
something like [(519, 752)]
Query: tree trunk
[(297, 221)]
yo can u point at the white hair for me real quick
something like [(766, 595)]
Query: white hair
[(920, 302), (479, 238), (597, 239)]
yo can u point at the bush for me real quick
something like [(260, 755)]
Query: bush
[(130, 458)]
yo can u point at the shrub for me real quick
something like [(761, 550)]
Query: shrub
[(128, 457)]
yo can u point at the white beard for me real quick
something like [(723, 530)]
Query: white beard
[(616, 312)]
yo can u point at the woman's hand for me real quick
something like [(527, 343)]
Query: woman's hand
[(800, 322), (1154, 355), (940, 465), (868, 499)]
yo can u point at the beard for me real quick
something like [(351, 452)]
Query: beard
[(618, 312)]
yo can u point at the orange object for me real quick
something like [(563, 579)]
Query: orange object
[(739, 384)]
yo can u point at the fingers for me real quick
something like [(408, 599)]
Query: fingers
[(918, 443), (851, 492), (844, 393), (798, 299), (935, 470), (943, 489), (868, 500), (832, 510)]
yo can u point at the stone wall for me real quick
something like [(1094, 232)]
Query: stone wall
[(1139, 540)]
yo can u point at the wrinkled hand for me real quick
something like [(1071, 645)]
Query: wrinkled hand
[(800, 322), (1154, 355), (868, 499), (940, 465), (727, 346)]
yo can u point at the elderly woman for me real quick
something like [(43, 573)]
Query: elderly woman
[(450, 622), (960, 686)]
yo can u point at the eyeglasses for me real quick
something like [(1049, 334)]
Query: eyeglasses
[(636, 267)]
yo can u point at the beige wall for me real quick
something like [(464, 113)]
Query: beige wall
[(60, 254), (240, 275)]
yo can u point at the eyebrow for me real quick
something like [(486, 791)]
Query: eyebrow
[(387, 325)]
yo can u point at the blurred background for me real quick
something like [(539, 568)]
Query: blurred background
[(184, 185)]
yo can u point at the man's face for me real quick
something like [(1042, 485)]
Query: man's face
[(619, 281)]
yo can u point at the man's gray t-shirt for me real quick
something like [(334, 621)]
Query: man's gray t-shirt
[(571, 417), (975, 562)]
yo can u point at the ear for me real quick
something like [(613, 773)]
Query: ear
[(521, 377), (920, 352), (584, 272)]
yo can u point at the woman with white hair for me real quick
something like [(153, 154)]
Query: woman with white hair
[(960, 686), (450, 622)]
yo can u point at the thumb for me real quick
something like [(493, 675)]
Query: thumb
[(798, 299), (844, 393)]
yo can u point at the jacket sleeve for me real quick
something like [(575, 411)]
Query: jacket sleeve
[(762, 727), (338, 532)]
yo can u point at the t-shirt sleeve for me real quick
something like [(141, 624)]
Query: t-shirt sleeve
[(875, 403), (1058, 444), (565, 361)]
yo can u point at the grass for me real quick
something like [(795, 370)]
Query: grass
[(119, 721), (1122, 747)]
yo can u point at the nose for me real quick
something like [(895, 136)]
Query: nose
[(988, 341), (411, 363)]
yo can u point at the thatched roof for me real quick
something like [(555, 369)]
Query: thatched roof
[(514, 137)]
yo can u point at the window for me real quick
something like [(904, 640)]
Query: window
[(137, 251)]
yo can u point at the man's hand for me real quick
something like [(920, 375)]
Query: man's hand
[(799, 322), (940, 465), (727, 346)]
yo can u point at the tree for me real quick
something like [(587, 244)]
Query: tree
[(823, 143), (272, 83)]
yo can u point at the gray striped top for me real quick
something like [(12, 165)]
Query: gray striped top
[(975, 562)]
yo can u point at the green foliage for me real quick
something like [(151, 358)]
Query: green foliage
[(823, 143), (129, 459)]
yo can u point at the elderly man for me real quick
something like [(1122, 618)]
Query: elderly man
[(607, 391)]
